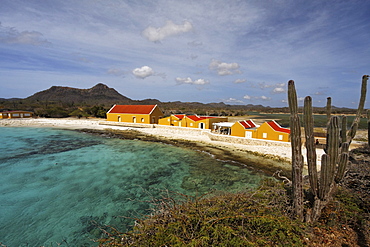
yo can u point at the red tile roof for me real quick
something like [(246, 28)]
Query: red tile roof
[(277, 127), (197, 118), (132, 109), (248, 124), (180, 116)]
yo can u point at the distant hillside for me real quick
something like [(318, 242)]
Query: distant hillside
[(99, 94), (60, 101)]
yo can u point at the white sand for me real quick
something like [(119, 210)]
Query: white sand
[(72, 123)]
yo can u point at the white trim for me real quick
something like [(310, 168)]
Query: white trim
[(153, 109), (111, 108)]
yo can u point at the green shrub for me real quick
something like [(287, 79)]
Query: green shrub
[(253, 218)]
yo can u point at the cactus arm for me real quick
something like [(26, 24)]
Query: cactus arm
[(328, 109), (342, 164), (329, 160), (310, 146), (333, 140), (343, 130), (323, 176), (351, 134)]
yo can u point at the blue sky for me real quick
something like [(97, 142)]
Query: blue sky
[(237, 52)]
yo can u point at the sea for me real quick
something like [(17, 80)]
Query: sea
[(61, 187)]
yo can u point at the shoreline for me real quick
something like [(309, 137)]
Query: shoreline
[(264, 158)]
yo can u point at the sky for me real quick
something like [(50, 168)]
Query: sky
[(231, 51)]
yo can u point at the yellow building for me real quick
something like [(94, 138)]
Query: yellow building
[(201, 122), (191, 121), (173, 120), (272, 131), (16, 114), (245, 128), (146, 114)]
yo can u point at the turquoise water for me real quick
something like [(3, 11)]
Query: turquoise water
[(60, 186)]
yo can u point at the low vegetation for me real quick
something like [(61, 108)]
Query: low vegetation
[(261, 217)]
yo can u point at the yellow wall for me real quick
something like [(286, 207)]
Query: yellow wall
[(165, 121), (207, 123), (237, 130), (17, 114), (170, 121), (266, 132)]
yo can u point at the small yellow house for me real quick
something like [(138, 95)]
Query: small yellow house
[(191, 121), (273, 131), (146, 114), (173, 120), (201, 122), (16, 114), (245, 128)]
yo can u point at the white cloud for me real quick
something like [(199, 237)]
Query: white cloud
[(278, 90), (224, 68), (232, 100), (247, 97), (240, 81), (170, 29), (143, 72), (188, 80), (264, 85), (264, 98), (9, 35)]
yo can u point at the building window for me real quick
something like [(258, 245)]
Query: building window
[(191, 124), (264, 135), (142, 120), (134, 119), (280, 137), (15, 114)]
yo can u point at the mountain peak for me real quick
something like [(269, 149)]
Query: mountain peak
[(100, 86), (98, 94)]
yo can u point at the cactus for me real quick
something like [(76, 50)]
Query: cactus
[(333, 162), (368, 128), (297, 158)]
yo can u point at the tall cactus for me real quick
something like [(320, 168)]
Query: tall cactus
[(297, 158), (333, 162)]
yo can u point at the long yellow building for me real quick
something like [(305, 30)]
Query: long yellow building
[(16, 114), (146, 114)]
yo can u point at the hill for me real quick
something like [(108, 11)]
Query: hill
[(60, 101), (99, 94)]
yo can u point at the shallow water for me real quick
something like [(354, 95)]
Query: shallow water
[(60, 186)]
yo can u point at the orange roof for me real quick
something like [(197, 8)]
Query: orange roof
[(277, 127), (132, 109), (248, 124)]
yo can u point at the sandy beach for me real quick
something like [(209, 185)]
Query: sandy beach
[(282, 153)]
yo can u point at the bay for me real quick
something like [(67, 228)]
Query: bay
[(62, 186)]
